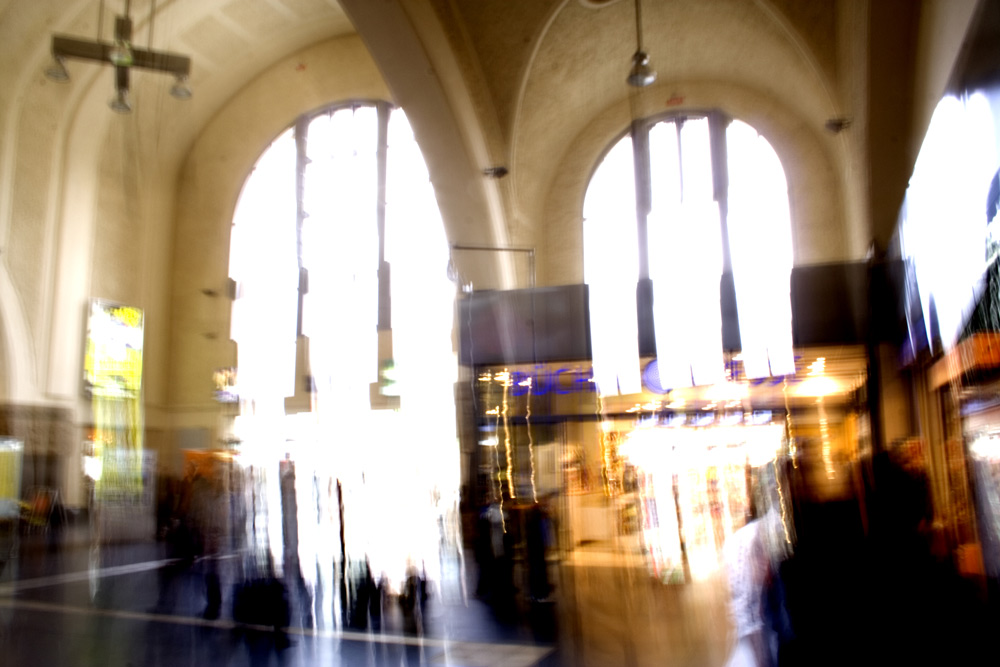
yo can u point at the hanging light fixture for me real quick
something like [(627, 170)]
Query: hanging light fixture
[(57, 70), (180, 90), (122, 54), (641, 74), (119, 103)]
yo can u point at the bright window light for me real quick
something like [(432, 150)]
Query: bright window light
[(393, 514), (610, 265), (760, 243), (944, 225), (685, 252), (264, 266), (686, 256)]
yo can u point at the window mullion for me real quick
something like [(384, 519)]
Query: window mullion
[(717, 124), (384, 307), (301, 160), (643, 191)]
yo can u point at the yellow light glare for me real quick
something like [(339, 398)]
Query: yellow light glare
[(819, 386), (818, 367)]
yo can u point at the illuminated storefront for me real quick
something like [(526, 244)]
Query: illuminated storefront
[(667, 474)]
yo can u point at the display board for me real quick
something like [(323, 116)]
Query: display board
[(11, 457), (113, 356)]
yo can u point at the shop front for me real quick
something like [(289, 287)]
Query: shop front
[(660, 480)]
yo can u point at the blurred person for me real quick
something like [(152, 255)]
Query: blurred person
[(776, 537), (494, 554), (424, 593), (537, 539), (411, 601), (208, 510), (916, 594), (366, 592), (747, 564), (180, 535), (376, 605), (483, 551)]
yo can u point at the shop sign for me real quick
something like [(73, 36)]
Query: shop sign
[(553, 380)]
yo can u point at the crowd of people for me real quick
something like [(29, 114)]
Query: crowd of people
[(195, 517)]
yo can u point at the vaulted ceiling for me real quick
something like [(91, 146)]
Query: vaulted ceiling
[(534, 86), (517, 82)]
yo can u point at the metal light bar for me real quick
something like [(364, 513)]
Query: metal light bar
[(123, 56), (160, 61)]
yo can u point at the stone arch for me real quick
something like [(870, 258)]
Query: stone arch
[(211, 179), (819, 220)]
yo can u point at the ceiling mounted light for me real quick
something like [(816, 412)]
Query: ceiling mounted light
[(180, 90), (641, 74), (119, 103), (124, 56), (120, 54), (57, 70)]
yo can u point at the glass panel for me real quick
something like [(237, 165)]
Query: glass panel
[(340, 251), (685, 256), (611, 268), (761, 250), (264, 264), (948, 189)]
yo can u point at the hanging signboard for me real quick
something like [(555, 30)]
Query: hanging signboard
[(113, 355), (11, 454)]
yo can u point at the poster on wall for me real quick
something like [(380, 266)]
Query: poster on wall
[(113, 355), (11, 455), (113, 382)]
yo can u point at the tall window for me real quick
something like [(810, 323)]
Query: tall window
[(944, 231), (331, 204), (708, 196)]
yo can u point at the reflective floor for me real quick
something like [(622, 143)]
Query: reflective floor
[(64, 602)]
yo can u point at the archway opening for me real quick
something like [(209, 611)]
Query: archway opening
[(711, 200), (365, 479)]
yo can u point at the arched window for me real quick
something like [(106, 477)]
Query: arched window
[(683, 203), (330, 206)]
